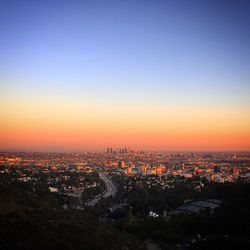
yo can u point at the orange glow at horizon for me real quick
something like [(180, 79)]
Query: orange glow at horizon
[(76, 126)]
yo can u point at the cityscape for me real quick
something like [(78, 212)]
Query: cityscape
[(117, 187), (124, 125)]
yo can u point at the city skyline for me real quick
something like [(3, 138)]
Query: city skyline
[(162, 75)]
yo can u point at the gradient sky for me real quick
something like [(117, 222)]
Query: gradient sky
[(167, 75)]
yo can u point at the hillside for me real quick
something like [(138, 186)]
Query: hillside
[(31, 221)]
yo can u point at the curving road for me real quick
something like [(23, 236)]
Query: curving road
[(110, 191)]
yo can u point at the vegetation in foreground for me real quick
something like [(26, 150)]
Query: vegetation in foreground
[(31, 220)]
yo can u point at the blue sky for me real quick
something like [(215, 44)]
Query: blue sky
[(156, 52)]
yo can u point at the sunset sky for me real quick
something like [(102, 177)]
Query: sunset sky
[(154, 75)]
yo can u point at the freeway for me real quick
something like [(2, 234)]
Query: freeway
[(110, 191)]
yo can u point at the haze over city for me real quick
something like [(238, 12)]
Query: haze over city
[(125, 124), (153, 75)]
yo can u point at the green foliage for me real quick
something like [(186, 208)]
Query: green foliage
[(232, 218), (31, 219)]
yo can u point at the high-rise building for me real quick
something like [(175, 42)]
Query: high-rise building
[(121, 164)]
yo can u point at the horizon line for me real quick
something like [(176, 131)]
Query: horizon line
[(135, 150)]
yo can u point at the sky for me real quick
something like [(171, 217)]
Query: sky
[(152, 75)]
